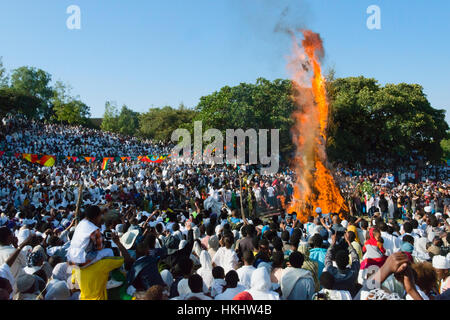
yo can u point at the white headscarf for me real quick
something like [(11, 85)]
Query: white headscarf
[(420, 249), (167, 277), (183, 288), (196, 232), (206, 269), (218, 229), (197, 249), (58, 291), (260, 286), (182, 244), (60, 271)]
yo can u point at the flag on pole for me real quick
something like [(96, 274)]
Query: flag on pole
[(125, 158), (89, 159)]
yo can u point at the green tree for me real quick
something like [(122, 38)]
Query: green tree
[(73, 112), (110, 117), (67, 108), (159, 123), (368, 120), (128, 121), (349, 129), (15, 101), (34, 82), (3, 75), (263, 105), (445, 144)]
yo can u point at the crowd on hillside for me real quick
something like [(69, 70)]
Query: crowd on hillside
[(147, 231)]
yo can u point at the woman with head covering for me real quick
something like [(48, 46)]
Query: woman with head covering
[(213, 245), (182, 244), (311, 266), (374, 254), (195, 255), (205, 270), (28, 287), (183, 290), (196, 231), (60, 272), (243, 296), (420, 252), (260, 286), (58, 291), (167, 277)]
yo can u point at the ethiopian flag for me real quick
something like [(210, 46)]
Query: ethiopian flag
[(158, 159), (106, 162), (48, 161), (33, 158)]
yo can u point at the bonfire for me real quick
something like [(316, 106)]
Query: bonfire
[(315, 186)]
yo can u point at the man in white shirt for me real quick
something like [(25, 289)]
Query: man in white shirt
[(390, 242), (245, 272), (226, 257), (232, 288), (407, 229), (8, 244)]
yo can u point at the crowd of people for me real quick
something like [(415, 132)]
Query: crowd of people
[(156, 231)]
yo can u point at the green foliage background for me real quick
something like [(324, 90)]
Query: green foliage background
[(367, 120)]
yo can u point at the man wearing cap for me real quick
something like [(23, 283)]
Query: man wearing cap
[(442, 266)]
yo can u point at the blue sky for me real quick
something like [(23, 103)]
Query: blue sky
[(146, 53)]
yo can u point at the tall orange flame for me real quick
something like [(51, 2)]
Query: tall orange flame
[(315, 186)]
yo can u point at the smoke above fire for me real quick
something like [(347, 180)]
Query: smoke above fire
[(315, 186)]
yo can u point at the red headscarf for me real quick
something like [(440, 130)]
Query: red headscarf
[(244, 295), (378, 261), (374, 242)]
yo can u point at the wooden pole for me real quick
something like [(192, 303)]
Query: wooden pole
[(80, 196), (242, 200)]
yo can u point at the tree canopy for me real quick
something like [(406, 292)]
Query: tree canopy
[(126, 122), (263, 105), (29, 91), (36, 83), (68, 109), (159, 123), (390, 121), (110, 117), (445, 144), (14, 101), (3, 75), (367, 120)]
